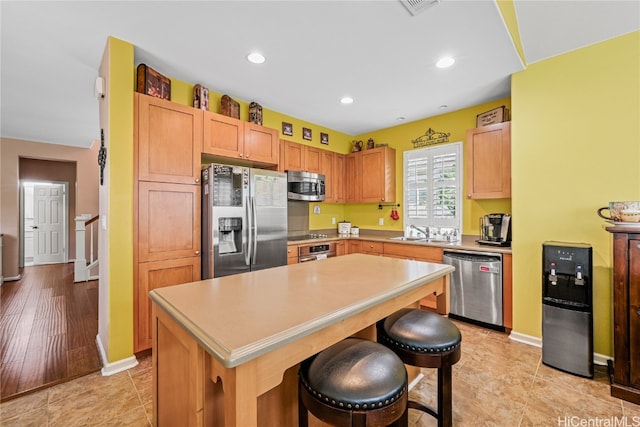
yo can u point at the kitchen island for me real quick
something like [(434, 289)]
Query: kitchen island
[(226, 350)]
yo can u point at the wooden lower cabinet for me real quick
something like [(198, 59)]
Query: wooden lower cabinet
[(371, 247), (420, 253), (153, 275), (354, 246), (292, 254), (341, 248), (626, 313)]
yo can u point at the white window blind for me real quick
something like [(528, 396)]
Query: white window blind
[(433, 186)]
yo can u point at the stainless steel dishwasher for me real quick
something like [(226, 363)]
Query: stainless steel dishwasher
[(476, 286)]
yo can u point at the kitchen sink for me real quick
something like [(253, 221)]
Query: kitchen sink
[(423, 239), (412, 239)]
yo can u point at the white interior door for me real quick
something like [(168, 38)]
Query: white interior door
[(48, 224)]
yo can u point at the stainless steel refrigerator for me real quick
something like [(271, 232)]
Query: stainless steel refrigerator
[(244, 220)]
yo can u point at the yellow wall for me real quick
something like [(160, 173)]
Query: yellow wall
[(399, 137), (120, 204), (575, 147)]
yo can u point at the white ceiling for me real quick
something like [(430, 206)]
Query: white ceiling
[(317, 52)]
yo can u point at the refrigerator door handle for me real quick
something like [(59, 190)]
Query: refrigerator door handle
[(254, 226), (247, 226)]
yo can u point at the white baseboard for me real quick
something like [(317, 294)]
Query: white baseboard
[(416, 380), (598, 359), (114, 367), (12, 278)]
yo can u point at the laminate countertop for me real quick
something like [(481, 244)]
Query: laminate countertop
[(468, 242), (240, 317)]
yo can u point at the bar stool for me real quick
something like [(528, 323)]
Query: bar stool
[(355, 382), (428, 340)]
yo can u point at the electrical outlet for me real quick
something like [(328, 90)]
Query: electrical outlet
[(333, 220), (380, 221), (316, 209)]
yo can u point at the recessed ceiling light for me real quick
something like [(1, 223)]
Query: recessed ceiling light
[(444, 107), (445, 62), (346, 100), (256, 58), (401, 118)]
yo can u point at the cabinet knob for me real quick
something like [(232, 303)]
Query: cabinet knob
[(469, 195), (239, 154), (197, 252), (197, 180)]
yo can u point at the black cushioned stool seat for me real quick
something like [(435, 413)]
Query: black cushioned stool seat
[(355, 382), (428, 340)]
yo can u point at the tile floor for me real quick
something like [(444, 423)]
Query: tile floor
[(497, 382)]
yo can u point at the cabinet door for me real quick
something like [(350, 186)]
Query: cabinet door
[(168, 140), (353, 184), (153, 275), (341, 248), (326, 168), (223, 136), (312, 159), (488, 162), (339, 178), (292, 254), (168, 221), (377, 169), (634, 312), (373, 248), (293, 156), (261, 144), (354, 246)]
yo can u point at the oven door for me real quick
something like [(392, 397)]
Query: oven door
[(307, 258)]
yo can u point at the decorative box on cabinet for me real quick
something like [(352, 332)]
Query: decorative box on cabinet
[(228, 137), (168, 140), (488, 162), (626, 313)]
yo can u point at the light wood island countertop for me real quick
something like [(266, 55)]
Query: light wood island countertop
[(226, 350), (240, 317)]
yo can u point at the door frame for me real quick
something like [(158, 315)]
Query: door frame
[(65, 214)]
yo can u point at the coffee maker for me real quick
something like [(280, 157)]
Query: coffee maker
[(495, 229)]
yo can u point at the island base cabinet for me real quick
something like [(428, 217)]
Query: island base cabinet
[(179, 386)]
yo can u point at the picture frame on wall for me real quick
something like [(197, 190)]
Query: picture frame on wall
[(287, 129), (306, 134), (324, 138)]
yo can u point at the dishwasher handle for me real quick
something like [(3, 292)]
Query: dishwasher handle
[(481, 257)]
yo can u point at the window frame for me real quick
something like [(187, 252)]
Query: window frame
[(430, 152)]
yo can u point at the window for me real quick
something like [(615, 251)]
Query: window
[(433, 189)]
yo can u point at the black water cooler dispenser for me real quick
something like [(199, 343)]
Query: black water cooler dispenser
[(567, 307)]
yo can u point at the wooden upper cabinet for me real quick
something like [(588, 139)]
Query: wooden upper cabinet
[(261, 144), (300, 157), (378, 172), (229, 137), (326, 168), (488, 162), (339, 177), (168, 221), (312, 159), (168, 140), (223, 136), (352, 175)]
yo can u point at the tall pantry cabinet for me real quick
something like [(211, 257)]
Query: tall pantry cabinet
[(167, 150)]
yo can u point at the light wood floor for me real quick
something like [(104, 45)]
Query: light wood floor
[(48, 328)]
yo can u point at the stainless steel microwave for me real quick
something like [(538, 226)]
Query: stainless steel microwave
[(306, 186)]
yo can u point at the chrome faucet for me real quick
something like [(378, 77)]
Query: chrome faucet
[(424, 231)]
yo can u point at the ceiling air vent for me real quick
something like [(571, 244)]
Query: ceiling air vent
[(418, 6)]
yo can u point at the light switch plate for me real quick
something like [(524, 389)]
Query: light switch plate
[(380, 221)]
